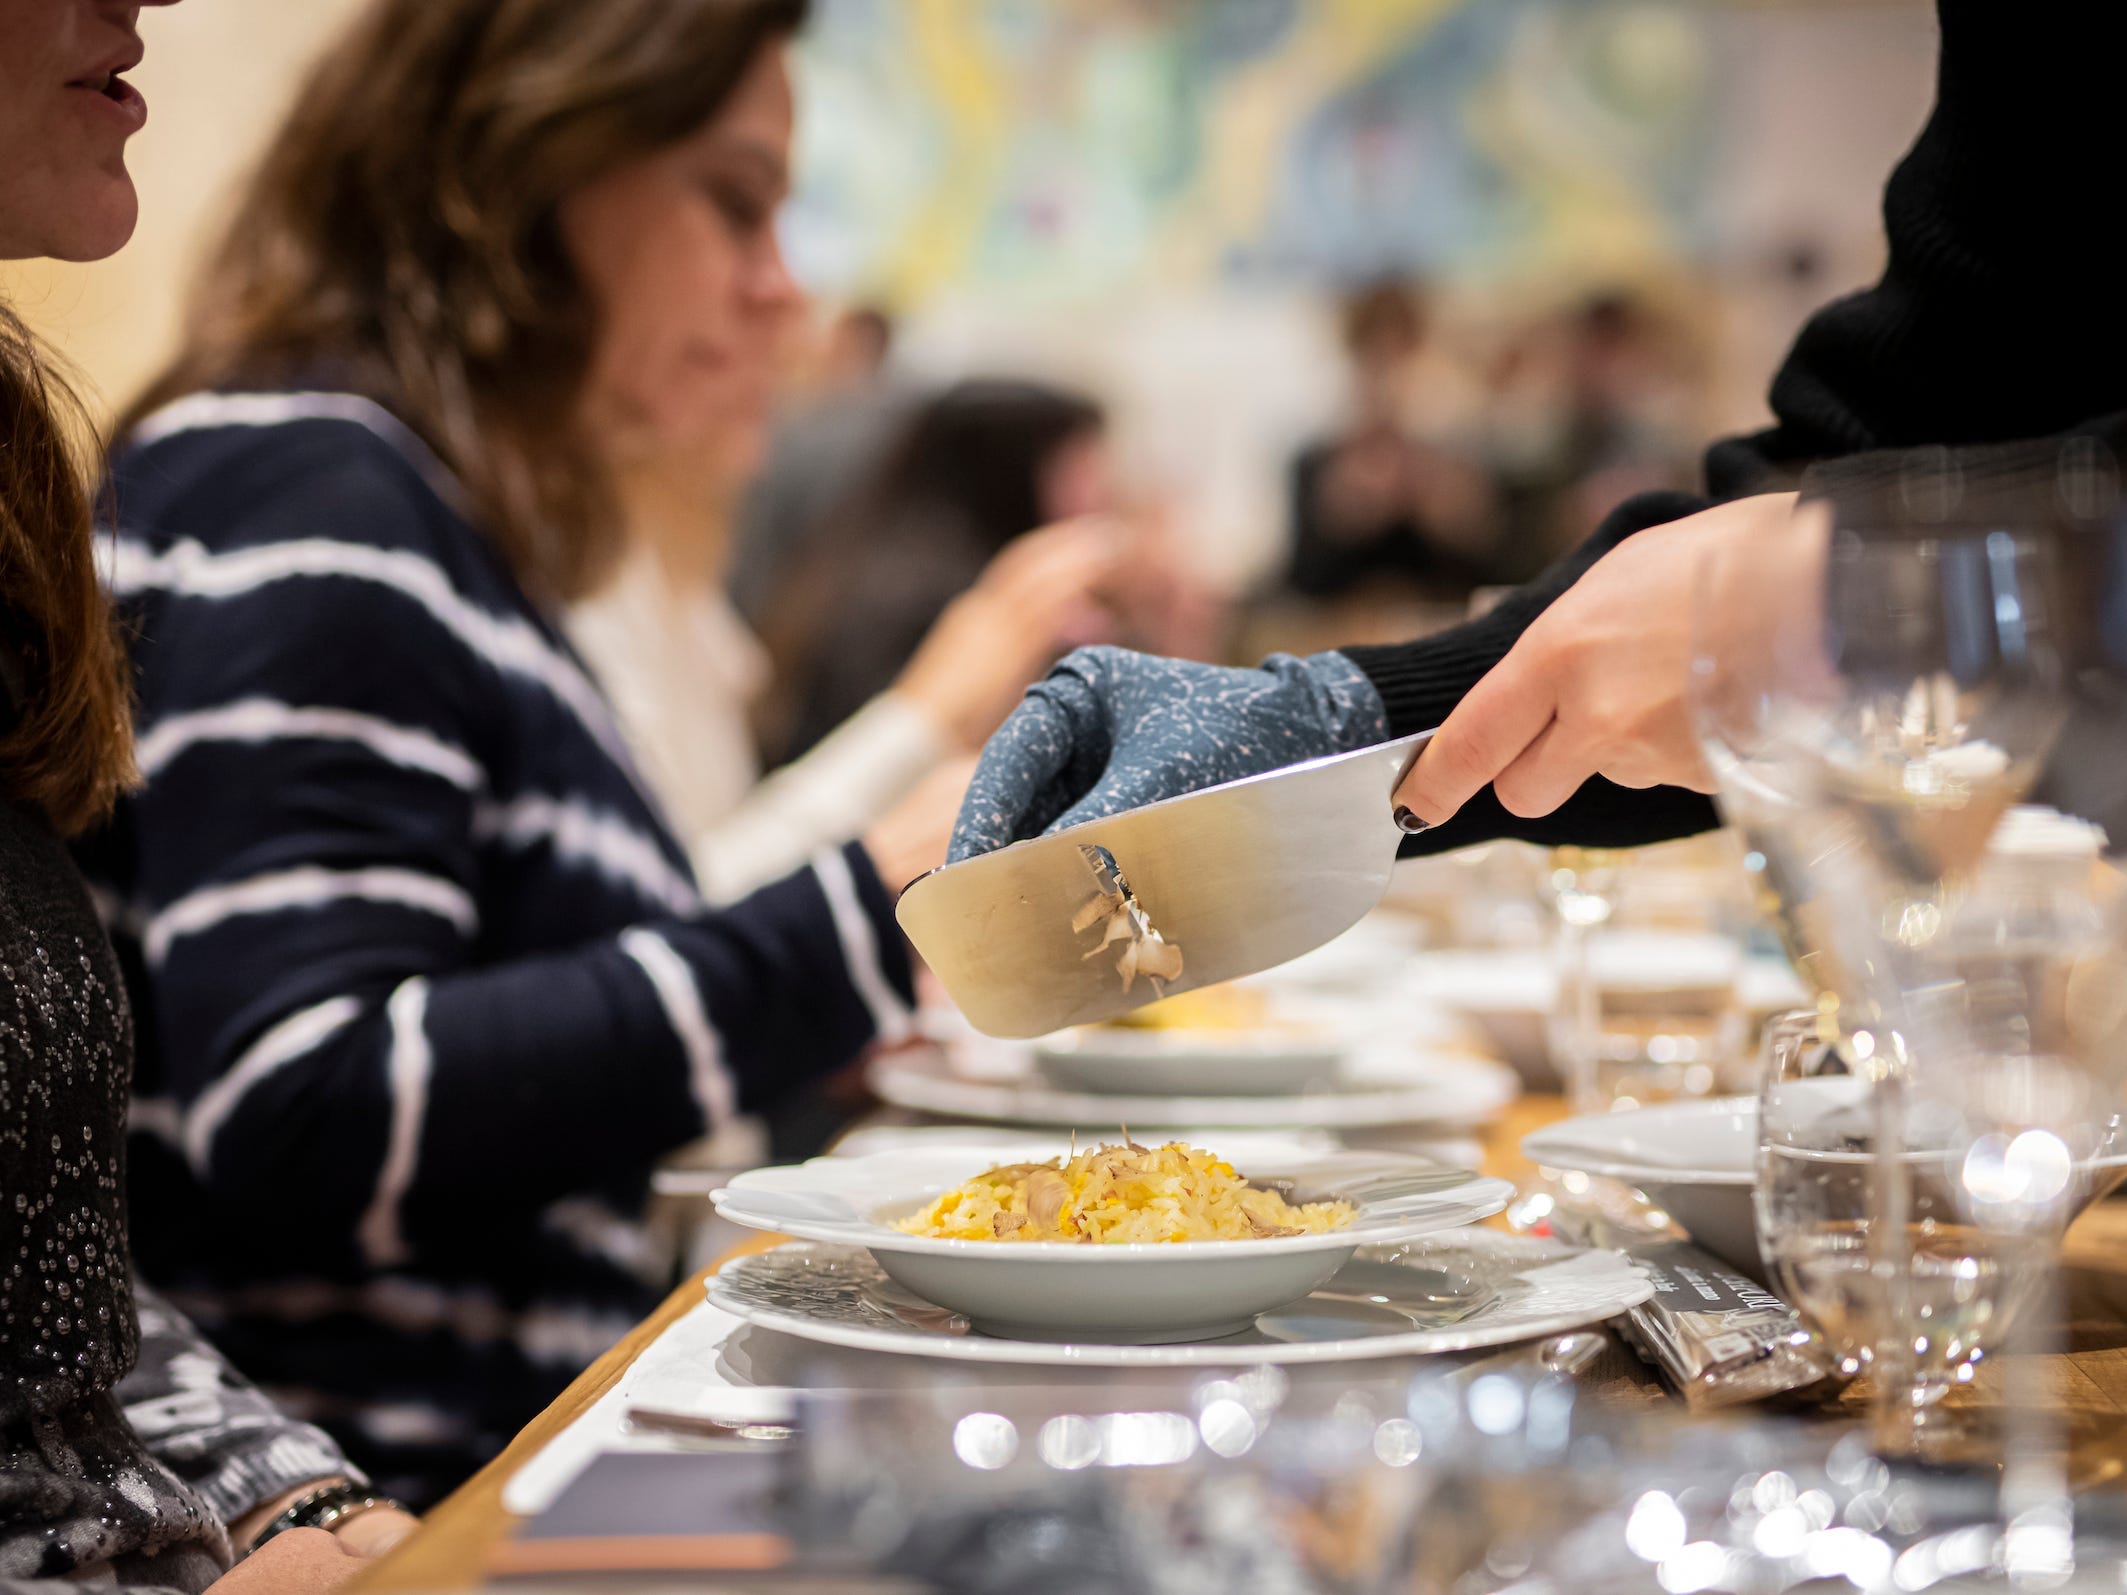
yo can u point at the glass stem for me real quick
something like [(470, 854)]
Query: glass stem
[(1583, 1020), (2037, 1512), (1895, 1410)]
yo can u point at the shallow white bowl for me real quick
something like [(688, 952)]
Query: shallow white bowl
[(1179, 1063), (1309, 1043), (1137, 1294), (1698, 1161)]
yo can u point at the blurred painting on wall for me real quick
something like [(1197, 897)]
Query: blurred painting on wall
[(1059, 149)]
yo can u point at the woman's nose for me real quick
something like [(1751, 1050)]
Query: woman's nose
[(771, 284)]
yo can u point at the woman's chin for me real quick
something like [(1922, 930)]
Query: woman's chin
[(732, 448), (715, 437), (96, 225), (739, 456)]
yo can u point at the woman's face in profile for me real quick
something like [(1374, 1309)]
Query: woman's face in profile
[(678, 251), (66, 112)]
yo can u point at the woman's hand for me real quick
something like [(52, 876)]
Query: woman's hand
[(366, 1535), (1600, 683), (375, 1532), (297, 1562), (1034, 600), (911, 837)]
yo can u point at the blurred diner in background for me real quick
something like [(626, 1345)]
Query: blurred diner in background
[(586, 492)]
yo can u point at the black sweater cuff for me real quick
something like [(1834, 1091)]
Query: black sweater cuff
[(1421, 682)]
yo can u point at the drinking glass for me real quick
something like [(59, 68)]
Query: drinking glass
[(1818, 1112), (1647, 1016), (1648, 1007)]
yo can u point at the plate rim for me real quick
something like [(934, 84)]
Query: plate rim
[(1583, 1159), (1477, 1333)]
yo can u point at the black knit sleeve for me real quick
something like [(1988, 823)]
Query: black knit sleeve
[(1999, 313)]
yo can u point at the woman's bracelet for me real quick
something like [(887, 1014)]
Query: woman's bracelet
[(326, 1507)]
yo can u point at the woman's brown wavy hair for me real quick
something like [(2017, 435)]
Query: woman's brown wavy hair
[(66, 739), (400, 238)]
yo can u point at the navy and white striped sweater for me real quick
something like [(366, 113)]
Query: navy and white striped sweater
[(424, 985)]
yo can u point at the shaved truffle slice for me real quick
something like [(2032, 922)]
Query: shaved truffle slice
[(1116, 913), (1046, 1195)]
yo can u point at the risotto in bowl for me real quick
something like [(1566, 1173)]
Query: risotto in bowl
[(1120, 1243)]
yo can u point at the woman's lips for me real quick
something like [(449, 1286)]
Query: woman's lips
[(114, 97)]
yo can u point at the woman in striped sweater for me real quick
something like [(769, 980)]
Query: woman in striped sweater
[(425, 984)]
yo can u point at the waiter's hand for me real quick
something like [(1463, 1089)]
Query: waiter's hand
[(1109, 730), (1600, 683)]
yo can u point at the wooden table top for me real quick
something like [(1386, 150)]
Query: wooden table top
[(451, 1549)]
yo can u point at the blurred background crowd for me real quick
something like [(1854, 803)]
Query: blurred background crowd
[(1355, 308)]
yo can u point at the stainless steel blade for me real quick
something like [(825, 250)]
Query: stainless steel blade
[(1237, 878)]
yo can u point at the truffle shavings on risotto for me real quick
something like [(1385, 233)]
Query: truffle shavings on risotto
[(1120, 1194)]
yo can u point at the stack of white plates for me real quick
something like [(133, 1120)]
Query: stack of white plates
[(1340, 1045), (1176, 1083)]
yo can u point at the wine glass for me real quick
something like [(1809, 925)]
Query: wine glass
[(2025, 1029), (1871, 697), (1648, 1003)]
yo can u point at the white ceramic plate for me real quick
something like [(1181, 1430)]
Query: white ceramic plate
[(1309, 1037), (1378, 1085), (1138, 1293), (1525, 1287)]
